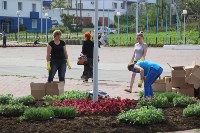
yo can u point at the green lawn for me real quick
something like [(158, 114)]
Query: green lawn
[(192, 37)]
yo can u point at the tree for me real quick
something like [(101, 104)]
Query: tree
[(59, 4), (67, 19), (193, 7)]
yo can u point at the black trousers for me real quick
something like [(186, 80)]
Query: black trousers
[(4, 42), (88, 69)]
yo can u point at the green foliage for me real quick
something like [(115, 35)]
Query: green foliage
[(141, 94), (192, 37), (160, 101), (193, 7), (64, 112), (192, 110), (170, 95), (22, 27), (144, 115), (61, 28), (157, 101), (12, 110), (5, 99), (60, 4), (25, 100), (67, 19), (49, 100), (37, 114), (183, 101)]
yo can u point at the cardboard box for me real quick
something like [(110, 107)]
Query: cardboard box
[(188, 70), (175, 90), (188, 92), (162, 85), (194, 77), (196, 72), (55, 88), (178, 76), (38, 90)]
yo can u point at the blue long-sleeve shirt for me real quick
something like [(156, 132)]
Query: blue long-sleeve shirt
[(147, 65)]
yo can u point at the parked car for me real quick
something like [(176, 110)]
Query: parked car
[(55, 23)]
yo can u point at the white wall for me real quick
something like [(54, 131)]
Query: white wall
[(12, 7), (108, 4), (55, 14)]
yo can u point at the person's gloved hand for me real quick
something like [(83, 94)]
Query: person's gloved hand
[(68, 64), (48, 65), (141, 59), (140, 83), (131, 61)]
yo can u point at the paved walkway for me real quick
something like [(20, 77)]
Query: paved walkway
[(20, 86), (21, 66)]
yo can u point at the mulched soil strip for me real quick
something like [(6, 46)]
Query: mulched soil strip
[(90, 124), (24, 45)]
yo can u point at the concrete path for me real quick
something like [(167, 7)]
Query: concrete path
[(20, 66)]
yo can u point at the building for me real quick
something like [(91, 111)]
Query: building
[(30, 15), (86, 10)]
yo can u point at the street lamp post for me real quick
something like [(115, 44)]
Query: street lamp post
[(18, 14), (103, 18), (184, 13), (42, 9), (46, 15), (118, 14)]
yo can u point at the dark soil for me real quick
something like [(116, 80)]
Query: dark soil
[(99, 124)]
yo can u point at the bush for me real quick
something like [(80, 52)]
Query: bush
[(183, 101), (170, 95), (26, 100), (12, 110), (157, 101), (90, 25), (5, 99), (22, 27), (144, 115), (48, 100), (160, 101), (37, 114), (64, 112), (192, 110)]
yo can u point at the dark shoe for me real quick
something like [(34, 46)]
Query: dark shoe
[(128, 90), (85, 81)]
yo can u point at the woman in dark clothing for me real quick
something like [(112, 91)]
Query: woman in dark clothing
[(57, 57), (87, 50)]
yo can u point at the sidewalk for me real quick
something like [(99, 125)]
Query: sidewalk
[(20, 86)]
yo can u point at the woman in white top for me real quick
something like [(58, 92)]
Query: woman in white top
[(139, 54)]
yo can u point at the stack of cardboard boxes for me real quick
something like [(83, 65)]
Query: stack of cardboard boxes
[(39, 90), (184, 80), (163, 85), (179, 84)]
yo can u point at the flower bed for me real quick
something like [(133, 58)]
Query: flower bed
[(106, 115), (104, 106), (24, 45)]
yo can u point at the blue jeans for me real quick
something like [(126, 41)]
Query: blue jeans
[(59, 65), (150, 79)]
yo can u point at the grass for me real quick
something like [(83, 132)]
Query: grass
[(192, 37)]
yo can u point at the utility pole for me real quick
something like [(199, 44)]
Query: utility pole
[(80, 9)]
